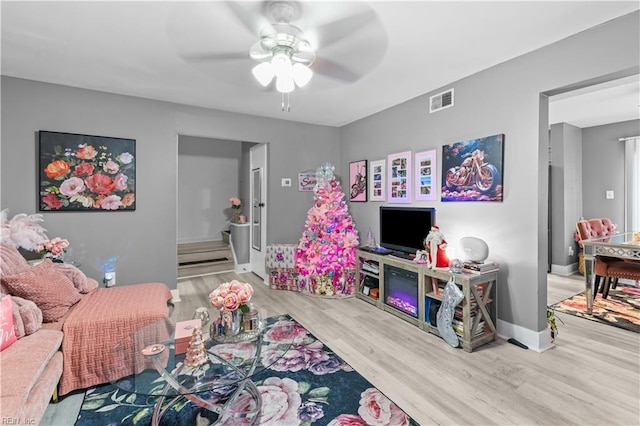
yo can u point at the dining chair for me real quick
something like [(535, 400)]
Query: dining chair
[(597, 228), (626, 269)]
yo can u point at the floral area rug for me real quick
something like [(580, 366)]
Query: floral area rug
[(309, 385), (620, 309)]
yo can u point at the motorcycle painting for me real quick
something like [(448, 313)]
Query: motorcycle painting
[(358, 181), (472, 170)]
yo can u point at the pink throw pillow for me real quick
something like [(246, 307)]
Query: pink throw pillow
[(48, 287), (79, 279), (8, 336), (27, 317)]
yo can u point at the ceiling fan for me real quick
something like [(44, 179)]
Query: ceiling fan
[(326, 26), (283, 51), (336, 43)]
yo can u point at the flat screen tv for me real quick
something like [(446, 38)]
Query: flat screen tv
[(405, 228)]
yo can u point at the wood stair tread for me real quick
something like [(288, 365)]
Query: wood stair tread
[(203, 258)]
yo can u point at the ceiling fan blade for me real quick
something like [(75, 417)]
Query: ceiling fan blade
[(254, 22), (339, 29), (204, 57), (258, 52), (333, 70)]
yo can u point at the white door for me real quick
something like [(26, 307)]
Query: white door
[(258, 215)]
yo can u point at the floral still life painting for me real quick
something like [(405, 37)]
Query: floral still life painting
[(86, 173)]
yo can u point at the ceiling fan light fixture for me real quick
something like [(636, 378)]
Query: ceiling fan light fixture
[(285, 84), (301, 74), (264, 73), (281, 64)]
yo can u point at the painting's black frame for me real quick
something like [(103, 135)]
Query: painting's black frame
[(56, 144)]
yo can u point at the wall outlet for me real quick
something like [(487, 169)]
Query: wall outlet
[(609, 195), (570, 251), (285, 182), (109, 279)]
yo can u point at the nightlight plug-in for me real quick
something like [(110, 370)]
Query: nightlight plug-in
[(109, 279)]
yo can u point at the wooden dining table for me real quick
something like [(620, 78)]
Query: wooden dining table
[(623, 246)]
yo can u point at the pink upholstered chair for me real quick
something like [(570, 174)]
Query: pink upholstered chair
[(597, 228), (620, 269), (607, 269)]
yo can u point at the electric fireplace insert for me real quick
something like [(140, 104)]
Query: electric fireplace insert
[(401, 290)]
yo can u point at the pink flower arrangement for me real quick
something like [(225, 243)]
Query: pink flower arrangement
[(231, 296), (236, 203), (55, 247)]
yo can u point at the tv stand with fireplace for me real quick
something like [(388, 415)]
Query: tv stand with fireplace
[(413, 292)]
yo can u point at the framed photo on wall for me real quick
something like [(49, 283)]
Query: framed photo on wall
[(358, 181), (86, 173), (377, 179), (472, 170), (399, 177), (426, 173)]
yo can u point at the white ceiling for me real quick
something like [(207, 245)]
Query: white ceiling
[(385, 52)]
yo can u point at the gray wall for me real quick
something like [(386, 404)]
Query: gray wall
[(503, 99), (145, 240), (601, 150), (565, 192), (209, 173)]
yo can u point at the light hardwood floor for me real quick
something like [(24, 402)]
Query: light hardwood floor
[(590, 377)]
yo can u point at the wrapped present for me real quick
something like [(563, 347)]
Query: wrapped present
[(280, 256), (283, 279), (335, 286), (184, 332)]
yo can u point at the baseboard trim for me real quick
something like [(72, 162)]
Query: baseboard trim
[(242, 268), (538, 341), (564, 270)]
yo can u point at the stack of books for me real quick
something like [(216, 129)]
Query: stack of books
[(459, 329), (480, 267), (371, 267)]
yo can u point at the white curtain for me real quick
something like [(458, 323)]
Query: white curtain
[(632, 183)]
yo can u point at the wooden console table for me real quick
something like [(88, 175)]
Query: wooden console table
[(477, 311)]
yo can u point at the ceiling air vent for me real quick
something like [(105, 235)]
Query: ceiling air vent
[(441, 101)]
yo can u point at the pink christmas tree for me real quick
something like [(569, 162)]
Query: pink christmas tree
[(326, 253)]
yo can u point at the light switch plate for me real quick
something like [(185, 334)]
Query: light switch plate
[(609, 195), (286, 182)]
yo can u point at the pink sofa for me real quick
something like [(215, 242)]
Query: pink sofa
[(66, 335)]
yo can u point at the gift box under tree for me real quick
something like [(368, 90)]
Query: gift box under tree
[(280, 262)]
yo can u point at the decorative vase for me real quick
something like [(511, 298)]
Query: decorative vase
[(236, 216), (55, 258), (231, 321)]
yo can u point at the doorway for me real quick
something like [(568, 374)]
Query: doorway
[(258, 215), (210, 171), (587, 121)]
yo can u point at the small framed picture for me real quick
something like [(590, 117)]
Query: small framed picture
[(358, 181), (306, 181), (399, 177), (377, 179), (425, 176)]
